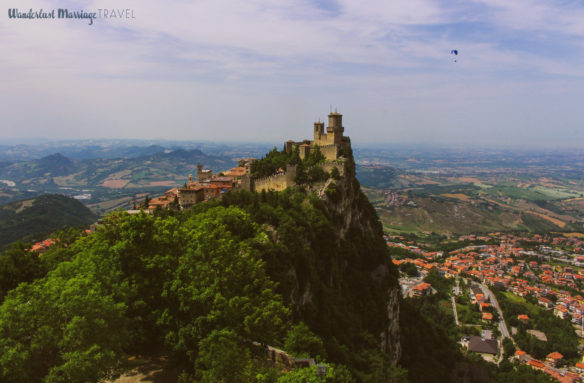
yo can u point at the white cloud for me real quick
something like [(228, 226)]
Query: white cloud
[(177, 59), (542, 16)]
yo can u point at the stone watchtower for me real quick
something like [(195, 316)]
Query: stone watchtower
[(335, 128), (334, 131), (203, 174), (318, 130)]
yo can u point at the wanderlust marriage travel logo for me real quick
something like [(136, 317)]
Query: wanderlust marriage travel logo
[(64, 13)]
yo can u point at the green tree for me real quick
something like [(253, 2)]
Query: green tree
[(335, 174), (223, 358), (301, 174), (18, 265), (508, 347), (314, 157), (144, 205), (410, 269), (64, 327), (317, 174), (442, 285), (302, 342), (220, 283), (334, 374), (175, 203), (272, 161)]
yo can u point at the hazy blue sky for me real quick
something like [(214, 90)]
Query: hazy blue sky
[(265, 70)]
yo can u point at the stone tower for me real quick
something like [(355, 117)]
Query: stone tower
[(335, 128), (318, 131), (203, 174), (199, 172)]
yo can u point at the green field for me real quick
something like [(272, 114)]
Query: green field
[(516, 193), (556, 193), (530, 307)]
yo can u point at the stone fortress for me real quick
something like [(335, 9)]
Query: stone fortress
[(332, 144)]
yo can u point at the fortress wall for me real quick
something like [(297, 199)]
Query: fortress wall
[(329, 151), (276, 182), (328, 166), (279, 182), (327, 139)]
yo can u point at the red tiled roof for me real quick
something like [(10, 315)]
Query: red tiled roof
[(536, 363), (422, 286), (555, 355)]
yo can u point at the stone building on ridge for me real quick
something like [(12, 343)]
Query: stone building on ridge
[(332, 144)]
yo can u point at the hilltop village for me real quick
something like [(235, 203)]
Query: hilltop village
[(504, 289), (331, 143)]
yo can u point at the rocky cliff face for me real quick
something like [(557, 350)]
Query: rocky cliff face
[(390, 337), (332, 265), (358, 288), (356, 219)]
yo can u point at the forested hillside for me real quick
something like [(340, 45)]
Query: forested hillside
[(201, 286), (40, 216)]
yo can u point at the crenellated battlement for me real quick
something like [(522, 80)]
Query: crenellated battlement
[(277, 182)]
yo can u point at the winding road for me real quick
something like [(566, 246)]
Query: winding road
[(502, 324)]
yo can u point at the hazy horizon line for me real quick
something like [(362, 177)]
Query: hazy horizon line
[(359, 143)]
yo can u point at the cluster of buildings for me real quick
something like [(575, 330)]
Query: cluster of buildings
[(504, 266), (509, 266), (331, 142), (549, 367), (501, 266), (42, 246), (206, 187)]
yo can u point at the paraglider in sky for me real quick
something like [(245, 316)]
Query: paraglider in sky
[(455, 53)]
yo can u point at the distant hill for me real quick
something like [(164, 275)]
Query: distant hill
[(56, 164), (116, 148), (76, 150), (446, 215), (40, 216), (160, 166), (53, 165), (379, 176)]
